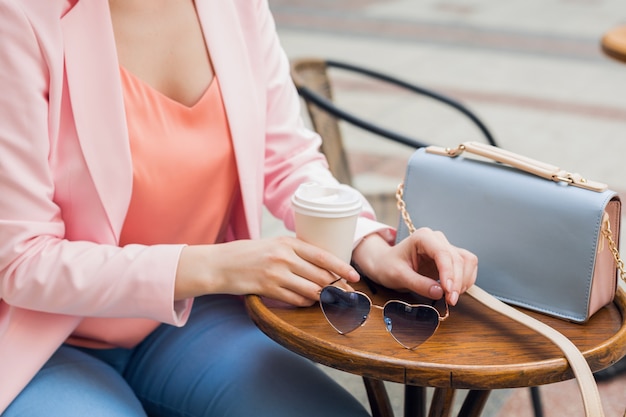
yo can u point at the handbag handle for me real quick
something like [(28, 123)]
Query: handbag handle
[(580, 367), (541, 169)]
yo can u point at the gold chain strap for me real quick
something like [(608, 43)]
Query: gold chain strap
[(606, 231), (402, 207)]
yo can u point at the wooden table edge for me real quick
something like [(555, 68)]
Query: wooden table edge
[(428, 374)]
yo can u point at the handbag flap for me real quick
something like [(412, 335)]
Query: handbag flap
[(536, 240)]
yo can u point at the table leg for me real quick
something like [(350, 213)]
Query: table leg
[(536, 399), (442, 402), (474, 403), (414, 401), (378, 398)]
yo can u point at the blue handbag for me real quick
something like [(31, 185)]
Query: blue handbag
[(546, 240)]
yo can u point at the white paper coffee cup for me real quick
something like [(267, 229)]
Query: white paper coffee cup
[(326, 216)]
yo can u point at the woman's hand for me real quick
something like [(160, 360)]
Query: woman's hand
[(282, 268), (416, 263)]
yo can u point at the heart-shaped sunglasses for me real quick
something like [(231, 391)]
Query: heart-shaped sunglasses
[(409, 324)]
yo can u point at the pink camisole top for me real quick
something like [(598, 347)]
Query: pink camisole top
[(184, 182)]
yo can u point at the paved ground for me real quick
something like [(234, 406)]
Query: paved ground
[(531, 69)]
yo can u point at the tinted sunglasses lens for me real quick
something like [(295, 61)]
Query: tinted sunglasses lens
[(410, 325), (345, 311)]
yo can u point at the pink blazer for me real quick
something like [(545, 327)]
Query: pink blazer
[(66, 175)]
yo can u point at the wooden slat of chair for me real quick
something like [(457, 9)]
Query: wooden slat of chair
[(313, 74)]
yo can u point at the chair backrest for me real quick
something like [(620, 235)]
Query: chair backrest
[(312, 74)]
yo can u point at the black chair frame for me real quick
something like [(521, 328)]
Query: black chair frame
[(328, 106)]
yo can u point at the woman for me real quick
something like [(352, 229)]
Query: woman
[(139, 140)]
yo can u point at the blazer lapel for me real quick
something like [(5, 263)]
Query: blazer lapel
[(225, 42), (94, 85)]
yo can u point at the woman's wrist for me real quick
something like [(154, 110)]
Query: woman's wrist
[(362, 256), (190, 273)]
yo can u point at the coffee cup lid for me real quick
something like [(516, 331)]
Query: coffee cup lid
[(326, 200)]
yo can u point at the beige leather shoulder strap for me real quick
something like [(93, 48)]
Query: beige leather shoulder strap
[(584, 376)]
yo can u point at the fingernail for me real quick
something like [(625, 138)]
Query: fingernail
[(353, 275), (449, 284), (454, 297), (435, 292)]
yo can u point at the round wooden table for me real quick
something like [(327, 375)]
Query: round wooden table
[(614, 43), (475, 349)]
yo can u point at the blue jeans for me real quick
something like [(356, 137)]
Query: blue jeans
[(219, 365)]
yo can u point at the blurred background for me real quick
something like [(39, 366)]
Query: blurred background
[(532, 70)]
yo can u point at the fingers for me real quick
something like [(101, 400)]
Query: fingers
[(426, 263), (306, 273), (320, 266), (470, 271), (456, 267), (463, 275)]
